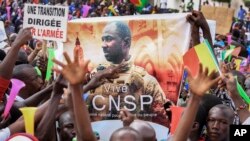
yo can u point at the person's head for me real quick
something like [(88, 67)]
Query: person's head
[(218, 121), (145, 129), (207, 102), (22, 58), (66, 127), (236, 34), (27, 74), (241, 6), (116, 41), (126, 134), (93, 14)]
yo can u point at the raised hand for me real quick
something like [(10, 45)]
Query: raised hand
[(39, 46), (23, 36), (72, 71), (227, 67), (60, 83), (41, 63), (126, 117), (231, 84), (198, 18), (202, 82)]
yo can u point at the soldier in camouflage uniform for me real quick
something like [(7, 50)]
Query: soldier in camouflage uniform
[(134, 89)]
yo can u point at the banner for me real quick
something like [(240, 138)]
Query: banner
[(212, 27), (222, 15), (154, 70), (49, 22), (2, 32)]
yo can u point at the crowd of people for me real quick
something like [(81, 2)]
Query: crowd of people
[(212, 102)]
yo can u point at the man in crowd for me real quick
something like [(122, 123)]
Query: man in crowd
[(241, 14)]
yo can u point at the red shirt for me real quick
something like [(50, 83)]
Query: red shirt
[(4, 83)]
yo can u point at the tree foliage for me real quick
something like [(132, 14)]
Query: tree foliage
[(247, 3)]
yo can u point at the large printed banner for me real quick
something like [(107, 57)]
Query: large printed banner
[(49, 22), (3, 35), (222, 15), (154, 69)]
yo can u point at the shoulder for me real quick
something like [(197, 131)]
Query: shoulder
[(4, 134), (139, 70), (144, 74)]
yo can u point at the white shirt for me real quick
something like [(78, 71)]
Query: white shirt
[(163, 4), (247, 121), (4, 134), (248, 36)]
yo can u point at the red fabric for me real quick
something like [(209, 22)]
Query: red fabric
[(201, 139), (191, 60), (4, 83)]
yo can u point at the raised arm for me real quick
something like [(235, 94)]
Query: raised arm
[(195, 35), (19, 126), (197, 20), (34, 53), (204, 81), (7, 65), (75, 74), (48, 120), (231, 86), (36, 98)]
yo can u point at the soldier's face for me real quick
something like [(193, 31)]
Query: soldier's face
[(112, 44)]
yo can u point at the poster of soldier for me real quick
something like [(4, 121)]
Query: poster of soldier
[(150, 46)]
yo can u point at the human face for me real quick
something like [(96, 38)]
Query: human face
[(112, 44), (34, 81), (218, 125), (66, 129)]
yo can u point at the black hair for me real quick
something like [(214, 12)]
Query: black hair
[(128, 129), (227, 111), (22, 58), (2, 55), (236, 34), (207, 102), (19, 71), (123, 29)]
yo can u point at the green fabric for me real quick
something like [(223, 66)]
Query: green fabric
[(51, 53), (38, 71), (242, 93)]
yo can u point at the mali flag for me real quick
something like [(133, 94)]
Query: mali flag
[(139, 4), (203, 54)]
